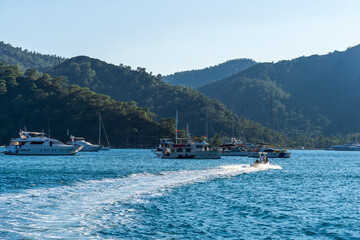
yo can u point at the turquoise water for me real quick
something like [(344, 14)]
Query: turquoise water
[(129, 194)]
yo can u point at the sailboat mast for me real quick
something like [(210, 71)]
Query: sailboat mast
[(272, 119), (106, 137), (99, 129), (206, 124), (176, 128), (232, 120)]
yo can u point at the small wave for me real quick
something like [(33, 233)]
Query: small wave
[(51, 209)]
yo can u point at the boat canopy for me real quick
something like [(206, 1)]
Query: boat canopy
[(26, 135)]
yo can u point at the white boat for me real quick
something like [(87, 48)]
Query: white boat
[(234, 141), (87, 147), (243, 149), (263, 161), (235, 152), (164, 142), (191, 150), (272, 153), (351, 146), (36, 143)]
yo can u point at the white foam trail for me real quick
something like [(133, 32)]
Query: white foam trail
[(60, 208)]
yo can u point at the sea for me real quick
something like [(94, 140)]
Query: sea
[(131, 194)]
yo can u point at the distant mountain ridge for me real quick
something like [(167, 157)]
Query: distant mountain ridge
[(196, 78), (310, 94), (25, 59)]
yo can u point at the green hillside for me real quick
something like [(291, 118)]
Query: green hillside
[(125, 84), (311, 95), (25, 59), (40, 102), (196, 78)]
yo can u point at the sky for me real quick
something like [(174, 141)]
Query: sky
[(167, 36)]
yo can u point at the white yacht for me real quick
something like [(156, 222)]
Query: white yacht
[(87, 147), (36, 143), (351, 146)]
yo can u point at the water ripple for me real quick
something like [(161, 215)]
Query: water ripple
[(128, 194)]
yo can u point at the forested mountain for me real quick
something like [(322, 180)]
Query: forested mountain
[(25, 59), (125, 84), (311, 95), (40, 102), (196, 78)]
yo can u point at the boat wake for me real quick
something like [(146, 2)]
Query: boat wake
[(72, 211)]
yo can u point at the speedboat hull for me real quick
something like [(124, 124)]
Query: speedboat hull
[(260, 165)]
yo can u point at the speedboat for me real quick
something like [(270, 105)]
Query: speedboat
[(164, 143), (36, 143), (87, 147), (263, 161), (272, 153)]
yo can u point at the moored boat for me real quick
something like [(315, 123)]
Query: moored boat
[(191, 150), (188, 149), (235, 152), (36, 143), (272, 153), (351, 146), (241, 149), (87, 146)]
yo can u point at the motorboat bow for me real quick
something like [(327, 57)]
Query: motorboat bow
[(263, 161)]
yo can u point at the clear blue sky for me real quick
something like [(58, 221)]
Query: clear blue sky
[(166, 36)]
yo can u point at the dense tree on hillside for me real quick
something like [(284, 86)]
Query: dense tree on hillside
[(25, 59), (125, 84), (196, 78), (312, 95), (40, 102)]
